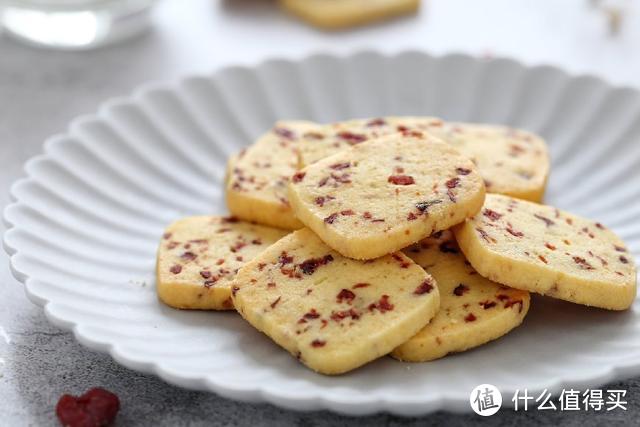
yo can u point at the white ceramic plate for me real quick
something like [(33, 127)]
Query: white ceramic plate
[(87, 218)]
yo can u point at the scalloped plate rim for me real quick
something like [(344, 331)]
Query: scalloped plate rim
[(454, 402)]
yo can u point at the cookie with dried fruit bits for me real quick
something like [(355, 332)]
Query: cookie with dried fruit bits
[(335, 137), (512, 161), (199, 256), (473, 310), (334, 14), (542, 249), (333, 313), (256, 189), (380, 196)]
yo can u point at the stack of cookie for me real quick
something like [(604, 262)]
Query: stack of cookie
[(415, 238)]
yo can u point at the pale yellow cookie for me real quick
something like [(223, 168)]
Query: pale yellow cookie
[(332, 138), (256, 189), (333, 313), (473, 310), (199, 256), (231, 163), (380, 196), (333, 14), (512, 161), (542, 249)]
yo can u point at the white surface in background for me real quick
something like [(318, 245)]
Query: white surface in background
[(567, 33)]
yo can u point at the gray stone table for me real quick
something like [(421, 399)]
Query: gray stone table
[(40, 91)]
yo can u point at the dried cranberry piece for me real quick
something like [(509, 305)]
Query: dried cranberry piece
[(352, 138), (413, 133), (452, 183), (460, 289), (548, 222), (361, 285), (401, 180), (383, 305), (312, 314), (491, 214), (511, 303), (285, 259), (284, 133), (404, 263), (97, 407), (298, 177), (424, 287), (488, 304), (514, 233), (376, 122), (341, 179), (309, 266), (582, 263), (345, 295), (331, 218), (340, 315), (188, 256), (275, 302), (340, 166), (485, 236)]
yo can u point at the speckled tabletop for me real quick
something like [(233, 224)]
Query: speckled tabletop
[(40, 91)]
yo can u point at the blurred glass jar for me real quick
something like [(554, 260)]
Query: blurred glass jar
[(74, 24)]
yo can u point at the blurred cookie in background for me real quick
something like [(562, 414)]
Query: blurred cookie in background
[(339, 14)]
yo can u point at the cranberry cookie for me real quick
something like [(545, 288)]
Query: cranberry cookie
[(542, 249), (199, 256), (473, 310), (383, 195), (333, 313)]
